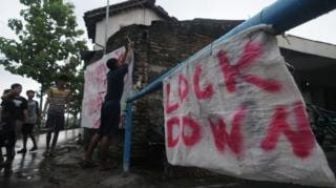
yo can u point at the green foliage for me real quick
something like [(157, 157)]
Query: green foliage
[(48, 44)]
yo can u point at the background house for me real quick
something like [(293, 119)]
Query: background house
[(130, 12), (314, 67)]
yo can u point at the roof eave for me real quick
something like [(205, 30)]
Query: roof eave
[(96, 15)]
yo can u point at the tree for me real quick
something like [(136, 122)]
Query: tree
[(48, 43), (76, 86)]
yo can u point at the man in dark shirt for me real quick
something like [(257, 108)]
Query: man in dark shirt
[(110, 111), (20, 108), (7, 131), (7, 111), (14, 113)]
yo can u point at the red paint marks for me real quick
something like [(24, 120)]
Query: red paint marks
[(230, 73), (183, 90), (100, 70), (206, 92), (290, 122), (222, 138), (251, 52), (301, 138), (171, 141), (170, 107), (267, 85), (190, 134), (195, 136), (183, 87)]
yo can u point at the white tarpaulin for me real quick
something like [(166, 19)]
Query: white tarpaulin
[(239, 112), (96, 84)]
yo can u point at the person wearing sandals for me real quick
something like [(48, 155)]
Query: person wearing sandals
[(55, 106), (110, 111), (32, 118)]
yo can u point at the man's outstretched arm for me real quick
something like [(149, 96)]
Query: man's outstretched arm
[(126, 54)]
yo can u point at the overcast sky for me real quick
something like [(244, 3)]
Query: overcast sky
[(320, 29)]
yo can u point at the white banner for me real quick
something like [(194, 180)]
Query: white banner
[(239, 112), (95, 87)]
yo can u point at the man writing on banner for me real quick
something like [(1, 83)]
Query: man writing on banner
[(110, 111)]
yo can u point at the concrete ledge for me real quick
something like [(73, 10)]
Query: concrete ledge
[(307, 46)]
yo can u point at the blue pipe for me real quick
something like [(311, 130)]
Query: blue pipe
[(128, 138), (282, 15)]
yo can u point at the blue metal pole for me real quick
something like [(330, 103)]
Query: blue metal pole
[(282, 15), (128, 138)]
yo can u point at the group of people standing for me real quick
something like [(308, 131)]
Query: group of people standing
[(19, 117)]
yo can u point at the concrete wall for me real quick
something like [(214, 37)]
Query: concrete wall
[(133, 16)]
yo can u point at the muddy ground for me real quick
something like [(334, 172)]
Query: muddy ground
[(64, 171)]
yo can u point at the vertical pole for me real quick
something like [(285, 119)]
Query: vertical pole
[(41, 109), (128, 138), (106, 23)]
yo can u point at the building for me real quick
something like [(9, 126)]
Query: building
[(314, 65), (130, 12)]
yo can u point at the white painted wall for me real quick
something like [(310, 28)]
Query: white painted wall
[(307, 46), (122, 19)]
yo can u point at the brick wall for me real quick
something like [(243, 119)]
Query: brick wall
[(158, 48)]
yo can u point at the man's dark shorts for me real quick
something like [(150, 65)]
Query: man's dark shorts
[(55, 121), (27, 128), (110, 119), (7, 135)]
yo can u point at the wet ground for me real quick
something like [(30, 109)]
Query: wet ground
[(26, 168), (63, 170)]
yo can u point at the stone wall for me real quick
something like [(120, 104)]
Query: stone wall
[(158, 48)]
